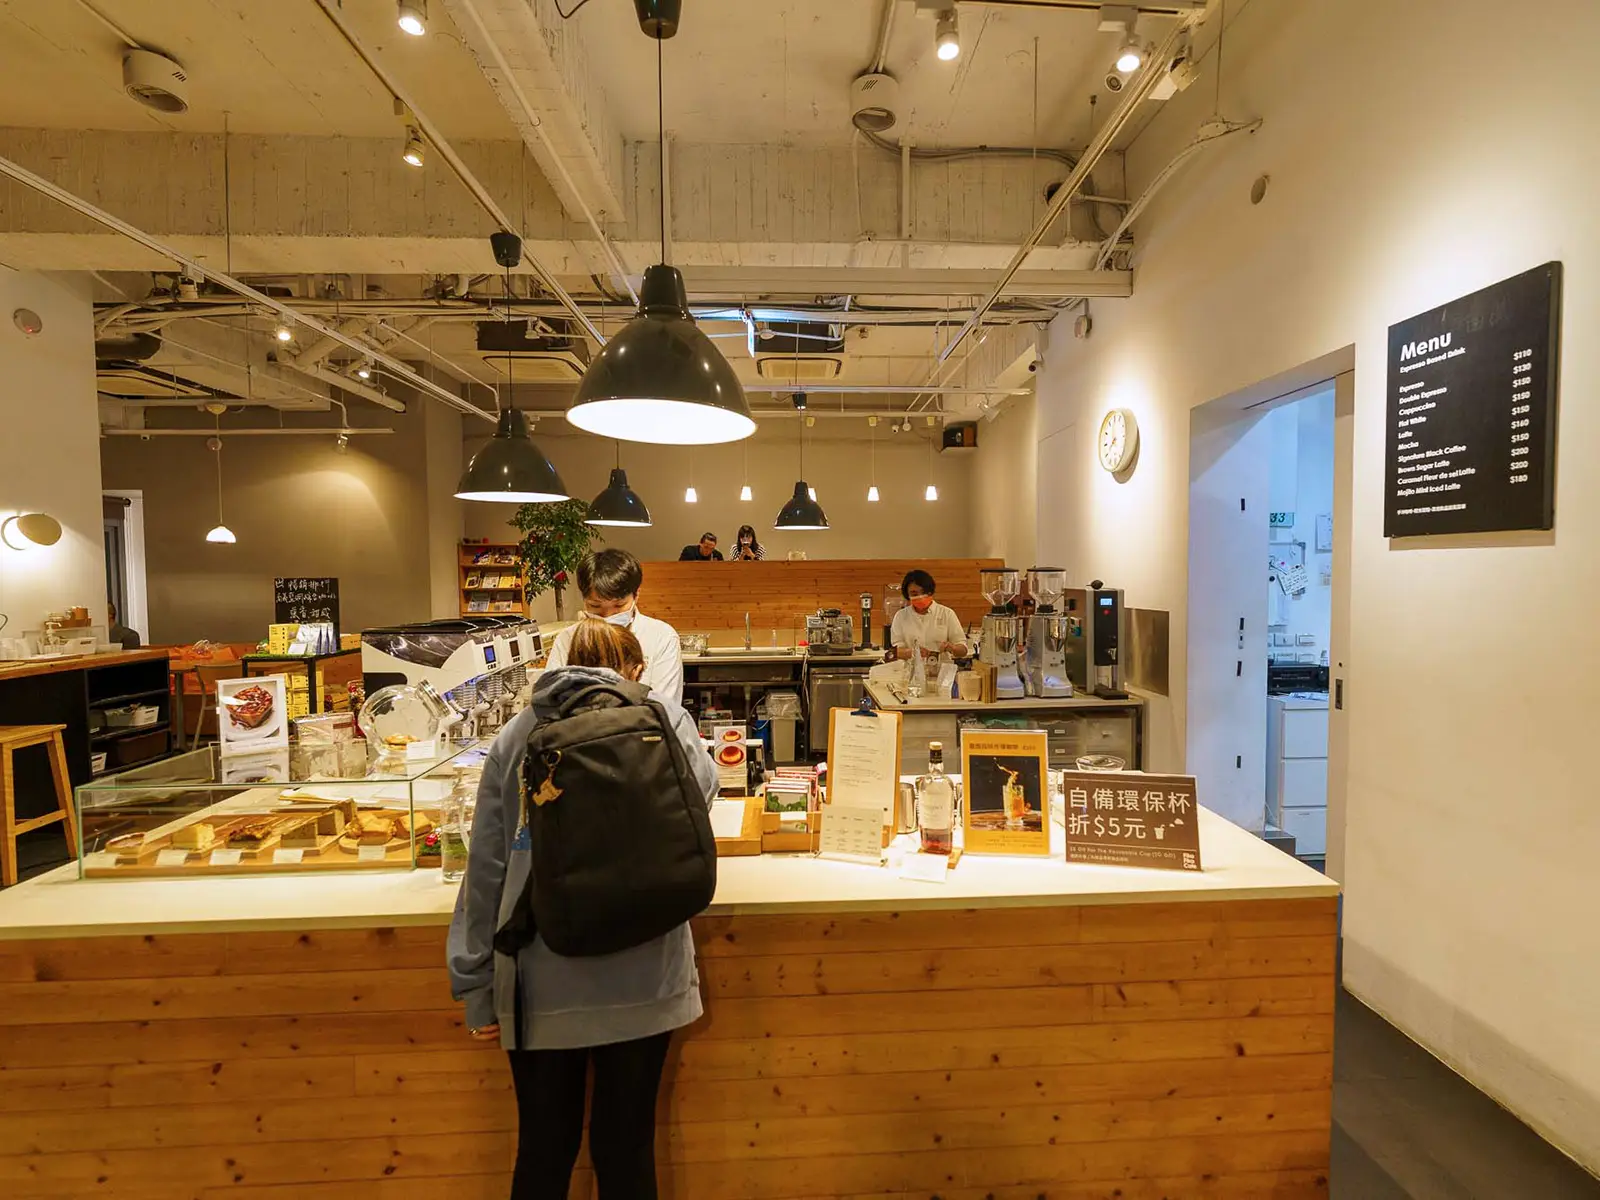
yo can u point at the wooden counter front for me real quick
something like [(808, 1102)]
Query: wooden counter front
[(716, 595), (1155, 1035)]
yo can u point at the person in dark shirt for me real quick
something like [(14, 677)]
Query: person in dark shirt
[(703, 551), (120, 633)]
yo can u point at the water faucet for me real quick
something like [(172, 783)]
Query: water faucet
[(747, 631)]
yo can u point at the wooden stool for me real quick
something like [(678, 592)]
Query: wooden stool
[(20, 737)]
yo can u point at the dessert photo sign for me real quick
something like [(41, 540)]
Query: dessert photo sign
[(252, 715)]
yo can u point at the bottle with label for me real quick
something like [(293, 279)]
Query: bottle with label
[(936, 804)]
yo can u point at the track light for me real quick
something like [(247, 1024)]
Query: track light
[(342, 442), (283, 333), (364, 371), (415, 152), (799, 401), (414, 17), (1131, 57), (947, 37)]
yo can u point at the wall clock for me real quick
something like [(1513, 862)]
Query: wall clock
[(1119, 440)]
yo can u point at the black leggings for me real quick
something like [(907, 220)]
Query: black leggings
[(622, 1122)]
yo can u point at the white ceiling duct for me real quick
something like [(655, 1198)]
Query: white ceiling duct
[(155, 81)]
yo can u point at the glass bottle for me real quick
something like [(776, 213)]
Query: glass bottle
[(917, 679), (454, 828), (936, 804)]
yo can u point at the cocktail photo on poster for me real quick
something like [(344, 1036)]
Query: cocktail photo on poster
[(1006, 779)]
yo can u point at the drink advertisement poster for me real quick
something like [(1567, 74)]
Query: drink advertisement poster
[(1006, 779)]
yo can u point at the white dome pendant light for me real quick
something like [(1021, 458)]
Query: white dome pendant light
[(660, 379), (219, 533)]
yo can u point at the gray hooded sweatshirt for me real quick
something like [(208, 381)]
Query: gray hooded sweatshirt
[(567, 1002)]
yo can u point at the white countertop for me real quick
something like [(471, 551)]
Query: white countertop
[(758, 655), (1239, 866), (884, 698)]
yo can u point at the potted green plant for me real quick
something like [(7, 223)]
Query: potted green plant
[(554, 541)]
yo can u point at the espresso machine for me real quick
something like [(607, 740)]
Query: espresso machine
[(1002, 630), (1108, 640), (1049, 629)]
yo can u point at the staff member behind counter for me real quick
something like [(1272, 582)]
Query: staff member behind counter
[(925, 622), (609, 582)]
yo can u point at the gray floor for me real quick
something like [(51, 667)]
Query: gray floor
[(1406, 1127)]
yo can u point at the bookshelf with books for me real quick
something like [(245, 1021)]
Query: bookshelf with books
[(491, 579)]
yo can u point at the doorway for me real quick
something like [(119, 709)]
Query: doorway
[(1268, 504), (123, 518)]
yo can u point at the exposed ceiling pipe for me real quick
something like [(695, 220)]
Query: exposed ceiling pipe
[(619, 269), (318, 350), (885, 26), (1133, 96), (468, 180), (136, 347), (870, 389), (344, 383), (321, 431), (1109, 246), (39, 184)]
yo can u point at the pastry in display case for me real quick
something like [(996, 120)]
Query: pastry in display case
[(199, 814)]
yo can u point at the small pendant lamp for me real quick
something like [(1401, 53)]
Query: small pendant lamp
[(219, 533), (802, 511), (619, 504), (660, 379)]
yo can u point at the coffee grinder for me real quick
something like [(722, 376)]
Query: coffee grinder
[(1002, 630), (1108, 640), (1048, 630)]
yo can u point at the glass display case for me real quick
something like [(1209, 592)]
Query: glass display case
[(336, 807)]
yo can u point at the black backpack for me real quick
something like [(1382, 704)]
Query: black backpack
[(620, 833)]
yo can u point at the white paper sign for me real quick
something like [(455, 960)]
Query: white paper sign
[(925, 868), (852, 833), (421, 751), (100, 860), (372, 853), (226, 858), (171, 858), (282, 857), (727, 818), (863, 761)]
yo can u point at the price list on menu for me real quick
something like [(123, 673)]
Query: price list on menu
[(1472, 392)]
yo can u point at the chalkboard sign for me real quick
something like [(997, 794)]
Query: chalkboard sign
[(1472, 411), (298, 601)]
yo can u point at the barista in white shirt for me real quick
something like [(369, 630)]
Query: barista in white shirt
[(609, 583), (925, 622)]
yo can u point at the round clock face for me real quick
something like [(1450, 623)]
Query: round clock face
[(1119, 438)]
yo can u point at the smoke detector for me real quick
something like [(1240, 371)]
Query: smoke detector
[(155, 81), (875, 102)]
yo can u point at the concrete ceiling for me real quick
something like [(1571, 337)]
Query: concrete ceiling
[(772, 199)]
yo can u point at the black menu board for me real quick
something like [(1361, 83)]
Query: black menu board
[(300, 601), (1472, 411)]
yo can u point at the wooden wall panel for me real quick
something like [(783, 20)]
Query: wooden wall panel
[(710, 596), (1142, 1051)]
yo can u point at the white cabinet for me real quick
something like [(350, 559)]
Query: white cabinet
[(1297, 770)]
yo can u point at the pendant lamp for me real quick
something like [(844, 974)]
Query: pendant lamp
[(660, 379), (872, 486), (802, 511), (219, 533), (511, 469), (618, 504)]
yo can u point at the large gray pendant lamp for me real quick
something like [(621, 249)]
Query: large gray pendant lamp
[(802, 511), (619, 504), (510, 468), (661, 379)]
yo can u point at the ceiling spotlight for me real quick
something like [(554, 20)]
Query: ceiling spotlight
[(798, 400), (342, 442), (364, 371), (414, 152), (1131, 57), (947, 38), (283, 333), (414, 17)]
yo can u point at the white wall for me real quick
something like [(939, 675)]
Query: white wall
[(1417, 152), (50, 449), (1005, 486)]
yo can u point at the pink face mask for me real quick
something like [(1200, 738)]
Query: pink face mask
[(922, 603)]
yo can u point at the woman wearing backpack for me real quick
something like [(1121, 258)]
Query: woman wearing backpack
[(614, 1011)]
